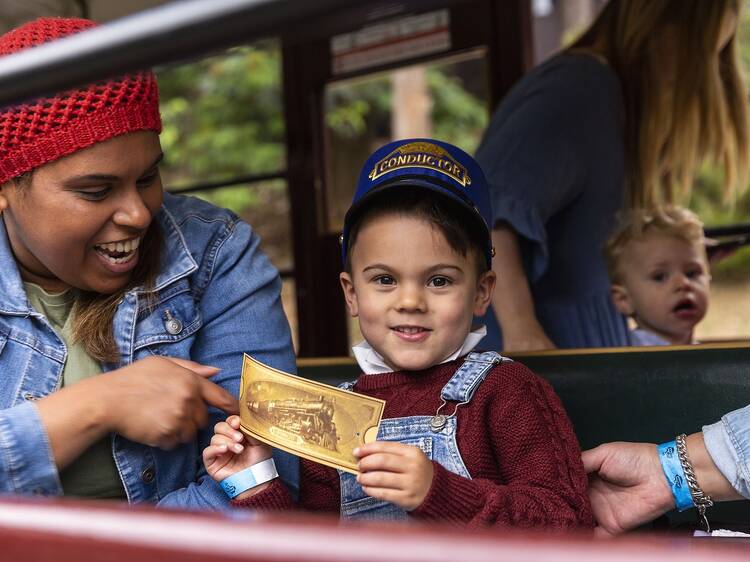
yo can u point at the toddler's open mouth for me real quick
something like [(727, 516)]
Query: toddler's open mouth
[(686, 309), (684, 305)]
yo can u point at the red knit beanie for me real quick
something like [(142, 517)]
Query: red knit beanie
[(46, 129)]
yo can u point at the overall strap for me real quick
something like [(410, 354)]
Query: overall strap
[(466, 379)]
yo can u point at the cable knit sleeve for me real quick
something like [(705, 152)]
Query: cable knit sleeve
[(319, 492), (541, 478)]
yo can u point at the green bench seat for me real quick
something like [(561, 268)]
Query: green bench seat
[(627, 394)]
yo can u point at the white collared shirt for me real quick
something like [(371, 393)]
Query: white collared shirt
[(372, 363)]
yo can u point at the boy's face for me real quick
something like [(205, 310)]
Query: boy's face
[(413, 294), (664, 286)]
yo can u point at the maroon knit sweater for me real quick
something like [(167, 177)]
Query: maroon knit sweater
[(515, 440)]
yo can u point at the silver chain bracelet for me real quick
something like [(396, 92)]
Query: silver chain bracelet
[(702, 501)]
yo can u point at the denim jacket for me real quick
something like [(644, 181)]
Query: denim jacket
[(225, 298), (728, 442)]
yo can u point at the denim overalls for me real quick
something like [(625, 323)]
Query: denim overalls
[(435, 435)]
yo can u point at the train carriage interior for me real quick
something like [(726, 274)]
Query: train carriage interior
[(269, 109)]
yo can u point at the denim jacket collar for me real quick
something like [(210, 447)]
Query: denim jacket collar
[(177, 263), (12, 294)]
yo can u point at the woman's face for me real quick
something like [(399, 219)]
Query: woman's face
[(80, 219)]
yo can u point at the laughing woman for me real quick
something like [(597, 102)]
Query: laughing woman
[(124, 311)]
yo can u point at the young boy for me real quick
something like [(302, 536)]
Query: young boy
[(471, 438), (659, 270)]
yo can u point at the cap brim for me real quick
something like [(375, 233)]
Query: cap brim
[(406, 182), (403, 182)]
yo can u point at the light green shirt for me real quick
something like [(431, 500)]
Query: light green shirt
[(94, 473)]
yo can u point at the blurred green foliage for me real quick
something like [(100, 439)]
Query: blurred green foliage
[(359, 107), (223, 117), (458, 116)]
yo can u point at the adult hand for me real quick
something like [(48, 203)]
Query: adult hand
[(627, 486), (161, 401), (394, 472)]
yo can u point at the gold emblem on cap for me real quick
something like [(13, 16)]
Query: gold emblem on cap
[(422, 155)]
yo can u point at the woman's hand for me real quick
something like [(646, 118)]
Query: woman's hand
[(231, 451), (394, 472), (627, 486), (157, 401), (161, 401)]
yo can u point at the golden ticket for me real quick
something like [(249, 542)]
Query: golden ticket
[(306, 418)]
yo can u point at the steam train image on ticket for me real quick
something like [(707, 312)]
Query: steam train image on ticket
[(312, 420)]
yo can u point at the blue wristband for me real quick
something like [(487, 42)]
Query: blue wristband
[(248, 478), (673, 471)]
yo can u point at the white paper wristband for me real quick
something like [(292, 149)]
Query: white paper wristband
[(249, 478)]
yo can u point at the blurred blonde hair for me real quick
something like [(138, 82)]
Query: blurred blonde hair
[(670, 128), (636, 224)]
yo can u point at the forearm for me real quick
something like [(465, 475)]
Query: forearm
[(74, 418), (319, 492), (512, 299), (627, 483), (709, 477), (728, 444)]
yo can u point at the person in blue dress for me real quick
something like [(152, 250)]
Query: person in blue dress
[(619, 119)]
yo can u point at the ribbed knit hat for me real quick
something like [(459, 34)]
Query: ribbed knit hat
[(46, 129)]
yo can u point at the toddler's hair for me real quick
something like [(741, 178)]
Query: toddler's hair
[(637, 223), (460, 228)]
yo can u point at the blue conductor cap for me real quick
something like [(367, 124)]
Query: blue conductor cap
[(423, 163)]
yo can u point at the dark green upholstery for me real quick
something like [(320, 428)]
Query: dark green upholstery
[(629, 395)]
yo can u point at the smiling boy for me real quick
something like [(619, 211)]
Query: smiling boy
[(659, 270), (470, 438)]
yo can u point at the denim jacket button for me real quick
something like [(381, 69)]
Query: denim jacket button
[(30, 397), (148, 475), (173, 326)]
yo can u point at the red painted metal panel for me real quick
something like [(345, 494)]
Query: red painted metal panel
[(65, 531)]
